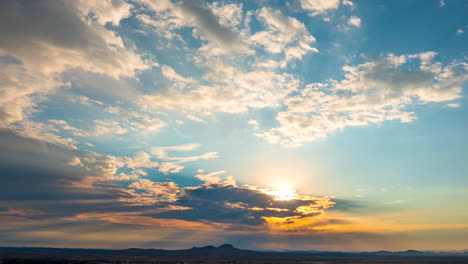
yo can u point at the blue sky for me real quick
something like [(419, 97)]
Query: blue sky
[(234, 121)]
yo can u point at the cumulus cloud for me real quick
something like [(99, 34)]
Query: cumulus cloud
[(106, 11), (220, 200), (209, 26), (354, 21), (317, 7), (157, 191), (371, 92), (74, 176), (230, 90), (46, 38), (284, 35)]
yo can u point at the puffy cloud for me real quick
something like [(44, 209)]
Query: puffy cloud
[(284, 35), (141, 160), (348, 3), (106, 11), (51, 37), (354, 21), (317, 7), (170, 167), (209, 24), (224, 202), (17, 87), (46, 38), (214, 27), (231, 91), (36, 170), (172, 75), (214, 178), (157, 191), (371, 92)]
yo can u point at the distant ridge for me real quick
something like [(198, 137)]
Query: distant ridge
[(221, 252)]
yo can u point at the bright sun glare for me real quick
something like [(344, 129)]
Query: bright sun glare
[(282, 192)]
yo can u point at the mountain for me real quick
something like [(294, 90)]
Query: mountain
[(212, 254)]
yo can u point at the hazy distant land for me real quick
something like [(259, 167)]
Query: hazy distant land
[(222, 254)]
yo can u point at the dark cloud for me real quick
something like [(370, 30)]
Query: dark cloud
[(242, 205), (41, 174), (50, 185), (205, 19), (36, 170)]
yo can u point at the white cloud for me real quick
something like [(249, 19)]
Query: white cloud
[(50, 37), (148, 124), (162, 153), (354, 21), (216, 28), (170, 167), (317, 7), (348, 3), (460, 31), (141, 160), (214, 178), (453, 105), (105, 11), (372, 92), (230, 91), (172, 75), (18, 86), (196, 119), (283, 35), (107, 127)]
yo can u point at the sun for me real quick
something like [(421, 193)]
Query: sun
[(282, 192)]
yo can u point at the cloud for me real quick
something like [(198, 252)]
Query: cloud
[(73, 176), (214, 178), (34, 170), (106, 127), (46, 38), (157, 191), (460, 31), (284, 35), (141, 160), (208, 23), (220, 200), (348, 3), (354, 21), (173, 164), (170, 167), (22, 212), (17, 87), (106, 11), (161, 153), (371, 92), (395, 202), (172, 75), (317, 7), (195, 14), (230, 91)]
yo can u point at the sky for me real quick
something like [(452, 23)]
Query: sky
[(269, 125)]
